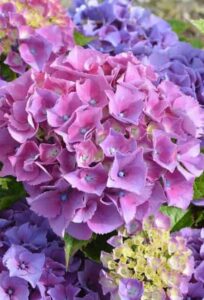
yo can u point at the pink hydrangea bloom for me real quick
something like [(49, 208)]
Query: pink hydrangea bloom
[(99, 143), (32, 32)]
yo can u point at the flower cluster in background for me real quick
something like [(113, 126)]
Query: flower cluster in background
[(98, 142), (195, 242), (32, 262), (119, 26), (148, 265), (32, 32)]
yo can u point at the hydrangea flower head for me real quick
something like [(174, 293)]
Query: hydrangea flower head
[(38, 13), (119, 26), (148, 265), (31, 30), (94, 159)]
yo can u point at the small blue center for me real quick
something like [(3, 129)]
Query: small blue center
[(88, 178), (63, 197), (23, 266), (10, 291), (121, 174), (121, 114), (65, 118), (83, 130), (121, 193), (53, 152), (92, 102), (168, 184), (33, 51)]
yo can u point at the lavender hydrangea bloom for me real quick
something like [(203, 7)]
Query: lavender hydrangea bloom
[(120, 26), (195, 241), (182, 64), (33, 268)]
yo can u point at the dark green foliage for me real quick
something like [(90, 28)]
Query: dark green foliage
[(11, 191)]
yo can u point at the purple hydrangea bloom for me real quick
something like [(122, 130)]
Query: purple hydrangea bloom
[(122, 27), (119, 26), (93, 160), (195, 241), (32, 262)]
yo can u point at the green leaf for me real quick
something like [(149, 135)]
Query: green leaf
[(6, 73), (199, 217), (4, 183), (179, 218), (81, 39), (72, 245), (185, 221), (197, 43), (11, 191), (174, 213), (179, 26), (98, 244), (186, 32), (199, 187), (199, 24)]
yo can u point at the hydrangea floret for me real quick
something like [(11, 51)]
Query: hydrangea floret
[(98, 142), (149, 264), (120, 26)]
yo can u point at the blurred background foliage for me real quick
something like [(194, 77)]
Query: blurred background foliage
[(175, 9)]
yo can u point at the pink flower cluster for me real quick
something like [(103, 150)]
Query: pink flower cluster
[(98, 143), (32, 32)]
